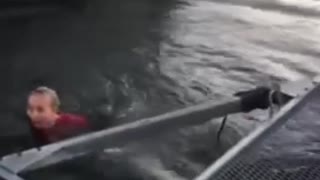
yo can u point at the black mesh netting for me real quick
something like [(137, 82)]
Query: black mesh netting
[(270, 169), (291, 152)]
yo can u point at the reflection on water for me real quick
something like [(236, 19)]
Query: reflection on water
[(118, 61)]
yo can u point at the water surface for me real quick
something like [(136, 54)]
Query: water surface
[(117, 61)]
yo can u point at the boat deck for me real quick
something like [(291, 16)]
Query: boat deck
[(288, 148)]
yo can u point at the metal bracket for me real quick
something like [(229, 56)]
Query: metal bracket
[(8, 174)]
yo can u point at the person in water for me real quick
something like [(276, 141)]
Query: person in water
[(48, 124)]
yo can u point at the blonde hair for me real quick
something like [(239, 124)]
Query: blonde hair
[(50, 92)]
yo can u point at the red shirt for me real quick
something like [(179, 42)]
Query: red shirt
[(66, 126)]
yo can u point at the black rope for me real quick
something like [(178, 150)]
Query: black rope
[(223, 123)]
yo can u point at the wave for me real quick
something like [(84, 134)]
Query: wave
[(308, 8)]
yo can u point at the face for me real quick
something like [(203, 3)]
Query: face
[(41, 111)]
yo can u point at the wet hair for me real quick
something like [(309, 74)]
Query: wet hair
[(42, 90)]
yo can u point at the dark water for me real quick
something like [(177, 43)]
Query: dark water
[(103, 54), (117, 61)]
